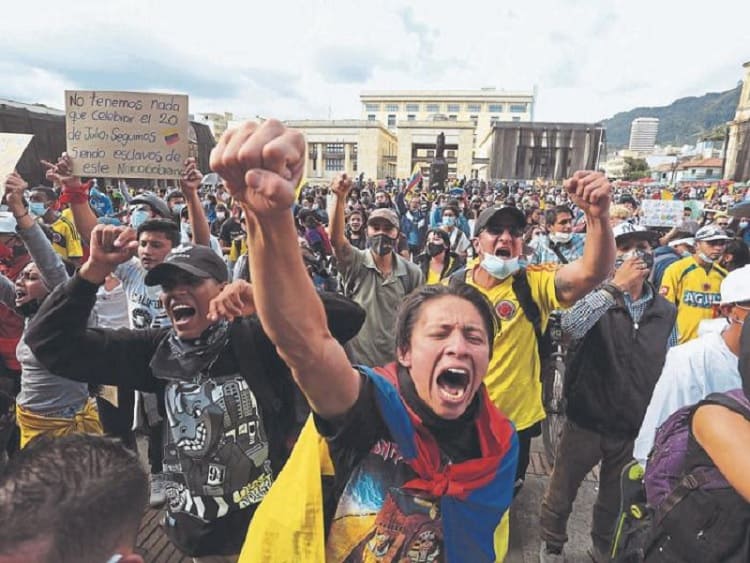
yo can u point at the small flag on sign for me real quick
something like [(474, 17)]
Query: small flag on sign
[(171, 136)]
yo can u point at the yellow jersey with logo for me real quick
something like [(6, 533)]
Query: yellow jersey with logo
[(513, 376), (694, 291), (65, 238)]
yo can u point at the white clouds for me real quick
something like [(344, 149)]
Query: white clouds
[(294, 59)]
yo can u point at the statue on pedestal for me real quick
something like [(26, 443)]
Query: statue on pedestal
[(439, 166)]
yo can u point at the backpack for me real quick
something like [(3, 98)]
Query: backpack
[(696, 511)]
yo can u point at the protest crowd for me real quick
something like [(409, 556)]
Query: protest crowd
[(356, 371)]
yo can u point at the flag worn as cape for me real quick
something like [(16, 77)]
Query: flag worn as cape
[(475, 495)]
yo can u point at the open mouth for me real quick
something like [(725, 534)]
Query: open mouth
[(197, 443), (502, 252), (453, 383), (182, 313)]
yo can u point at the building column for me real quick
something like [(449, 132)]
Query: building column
[(347, 159), (321, 172)]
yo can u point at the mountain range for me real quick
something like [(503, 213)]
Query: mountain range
[(684, 121)]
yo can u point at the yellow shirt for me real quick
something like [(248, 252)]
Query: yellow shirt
[(65, 238), (694, 292), (432, 277), (513, 374)]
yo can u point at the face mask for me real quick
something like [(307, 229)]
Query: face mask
[(647, 258), (685, 253), (744, 224), (37, 208), (434, 249), (178, 208), (449, 221), (383, 205), (221, 216), (705, 258), (29, 308), (382, 245), (500, 268), (138, 217), (560, 238), (10, 253)]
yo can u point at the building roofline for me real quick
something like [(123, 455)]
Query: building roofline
[(444, 94)]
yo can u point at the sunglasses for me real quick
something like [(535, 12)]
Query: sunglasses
[(514, 230)]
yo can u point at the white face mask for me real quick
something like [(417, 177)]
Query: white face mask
[(500, 268), (743, 224), (560, 238)]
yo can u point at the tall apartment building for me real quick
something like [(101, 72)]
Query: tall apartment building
[(465, 116), (643, 132)]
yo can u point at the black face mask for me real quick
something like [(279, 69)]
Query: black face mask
[(435, 249), (382, 245), (29, 308), (383, 205)]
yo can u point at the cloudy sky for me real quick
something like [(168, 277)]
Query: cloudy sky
[(297, 59)]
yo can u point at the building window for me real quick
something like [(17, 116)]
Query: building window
[(433, 108), (452, 117), (495, 108), (412, 107), (334, 164), (391, 107), (372, 107), (451, 154), (518, 108), (474, 119), (370, 117), (411, 117), (454, 108), (391, 120), (354, 165), (474, 107), (335, 147), (516, 118), (709, 171), (430, 153)]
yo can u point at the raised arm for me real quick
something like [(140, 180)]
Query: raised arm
[(261, 165), (49, 262), (342, 249), (84, 217), (591, 192), (189, 184)]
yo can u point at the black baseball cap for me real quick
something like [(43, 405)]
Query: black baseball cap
[(515, 214), (199, 261)]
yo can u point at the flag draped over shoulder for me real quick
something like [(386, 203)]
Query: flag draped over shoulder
[(474, 495)]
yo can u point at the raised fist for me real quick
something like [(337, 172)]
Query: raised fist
[(590, 191), (191, 177), (261, 165)]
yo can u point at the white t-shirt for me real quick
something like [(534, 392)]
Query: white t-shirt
[(691, 372), (144, 306)]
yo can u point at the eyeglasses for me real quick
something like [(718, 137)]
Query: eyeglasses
[(495, 230)]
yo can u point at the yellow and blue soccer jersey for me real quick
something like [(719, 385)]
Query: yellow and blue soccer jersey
[(695, 291)]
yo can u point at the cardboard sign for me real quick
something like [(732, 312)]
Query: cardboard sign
[(12, 146), (126, 134), (661, 213)]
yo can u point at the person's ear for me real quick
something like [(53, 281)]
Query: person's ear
[(404, 357)]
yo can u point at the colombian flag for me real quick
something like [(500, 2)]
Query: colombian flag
[(171, 136), (474, 495), (416, 177)]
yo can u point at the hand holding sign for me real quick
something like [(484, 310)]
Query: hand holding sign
[(15, 187), (12, 147)]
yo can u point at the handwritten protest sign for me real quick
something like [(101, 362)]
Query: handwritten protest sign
[(126, 134), (12, 146), (661, 213)]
